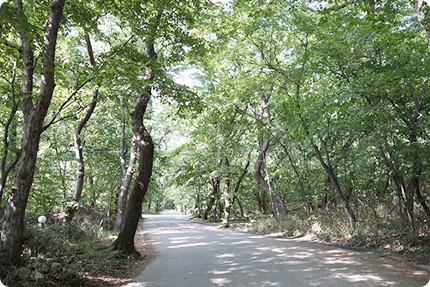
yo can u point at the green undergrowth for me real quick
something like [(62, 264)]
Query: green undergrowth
[(58, 238), (64, 242)]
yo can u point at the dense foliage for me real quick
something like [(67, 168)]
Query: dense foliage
[(315, 113)]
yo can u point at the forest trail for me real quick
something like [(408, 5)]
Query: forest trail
[(191, 254)]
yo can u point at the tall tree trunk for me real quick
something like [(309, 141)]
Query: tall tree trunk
[(5, 168), (79, 146), (260, 169), (125, 186), (260, 173), (12, 234), (125, 241), (333, 178)]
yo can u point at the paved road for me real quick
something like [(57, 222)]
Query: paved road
[(190, 254)]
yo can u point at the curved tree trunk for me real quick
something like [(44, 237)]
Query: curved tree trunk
[(260, 173), (125, 186), (125, 241), (79, 146), (12, 234)]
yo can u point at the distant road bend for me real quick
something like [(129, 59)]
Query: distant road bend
[(188, 254)]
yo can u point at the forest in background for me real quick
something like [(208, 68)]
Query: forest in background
[(305, 118)]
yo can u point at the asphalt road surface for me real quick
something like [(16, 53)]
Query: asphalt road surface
[(188, 254)]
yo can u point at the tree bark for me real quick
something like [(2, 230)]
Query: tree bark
[(79, 146), (333, 178), (12, 233), (214, 194), (260, 169), (260, 172), (5, 168), (125, 241), (226, 219), (125, 186)]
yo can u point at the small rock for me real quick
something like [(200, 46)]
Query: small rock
[(55, 266), (24, 273), (190, 273), (43, 268), (36, 263), (61, 276), (38, 276)]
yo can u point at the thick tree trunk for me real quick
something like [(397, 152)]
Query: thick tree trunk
[(12, 233), (79, 146), (334, 181), (125, 186), (125, 241)]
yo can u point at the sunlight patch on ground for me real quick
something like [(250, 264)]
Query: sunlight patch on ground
[(364, 278), (195, 244), (268, 283), (220, 281), (225, 255), (339, 260)]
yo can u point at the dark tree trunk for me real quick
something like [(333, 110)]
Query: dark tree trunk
[(240, 205), (226, 219), (12, 234), (422, 201), (5, 168), (334, 181), (214, 194), (125, 241)]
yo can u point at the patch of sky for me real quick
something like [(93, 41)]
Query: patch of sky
[(187, 77)]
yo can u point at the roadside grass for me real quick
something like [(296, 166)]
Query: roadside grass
[(383, 230), (81, 247)]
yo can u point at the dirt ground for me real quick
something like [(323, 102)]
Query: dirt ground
[(98, 271)]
